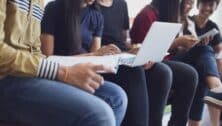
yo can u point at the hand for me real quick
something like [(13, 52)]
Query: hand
[(134, 50), (148, 65), (107, 50), (83, 76), (205, 41), (218, 48), (187, 41)]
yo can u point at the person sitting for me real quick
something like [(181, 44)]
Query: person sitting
[(181, 100), (37, 92)]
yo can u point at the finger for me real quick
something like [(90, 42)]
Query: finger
[(114, 48), (89, 89), (104, 68), (146, 66), (95, 85), (211, 38), (97, 78), (110, 52), (149, 65)]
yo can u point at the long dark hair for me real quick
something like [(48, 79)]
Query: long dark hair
[(168, 10), (71, 19)]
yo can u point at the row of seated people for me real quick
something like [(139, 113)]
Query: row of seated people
[(38, 92)]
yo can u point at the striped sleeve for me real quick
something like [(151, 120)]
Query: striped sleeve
[(47, 69)]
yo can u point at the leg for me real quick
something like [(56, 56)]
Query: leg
[(203, 60), (194, 123), (214, 115), (133, 81), (39, 102), (219, 65), (185, 80), (197, 105), (116, 98), (159, 79), (206, 64)]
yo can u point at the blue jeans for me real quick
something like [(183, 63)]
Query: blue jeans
[(133, 81), (40, 102), (202, 58)]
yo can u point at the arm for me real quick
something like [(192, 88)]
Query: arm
[(96, 44), (16, 62), (47, 45), (183, 42), (126, 24), (47, 30), (217, 42)]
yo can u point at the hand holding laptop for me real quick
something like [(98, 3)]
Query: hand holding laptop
[(147, 65)]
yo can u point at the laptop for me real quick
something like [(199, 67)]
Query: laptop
[(155, 45)]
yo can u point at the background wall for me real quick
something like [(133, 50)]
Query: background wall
[(134, 6)]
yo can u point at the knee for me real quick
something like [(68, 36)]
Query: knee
[(104, 115), (101, 115), (163, 69), (117, 97), (164, 73), (191, 75), (206, 48), (120, 99)]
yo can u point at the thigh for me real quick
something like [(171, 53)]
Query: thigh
[(183, 74), (115, 97), (133, 81), (40, 102), (113, 94)]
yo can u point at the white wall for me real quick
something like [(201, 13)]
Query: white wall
[(135, 6)]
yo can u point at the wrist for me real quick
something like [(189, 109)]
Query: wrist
[(61, 73)]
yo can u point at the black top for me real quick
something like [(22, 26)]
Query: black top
[(52, 23), (91, 26), (209, 26), (116, 19)]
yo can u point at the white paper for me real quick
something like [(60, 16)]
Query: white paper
[(109, 61)]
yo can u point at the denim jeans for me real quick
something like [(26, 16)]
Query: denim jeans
[(133, 81), (202, 58), (40, 102)]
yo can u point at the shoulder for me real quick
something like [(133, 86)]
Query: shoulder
[(93, 16), (212, 24), (51, 7), (147, 12), (95, 13), (120, 3)]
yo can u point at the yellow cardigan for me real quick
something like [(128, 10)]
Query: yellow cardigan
[(20, 53)]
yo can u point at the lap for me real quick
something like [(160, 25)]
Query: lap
[(31, 100)]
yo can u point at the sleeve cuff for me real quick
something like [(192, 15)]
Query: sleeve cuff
[(47, 69)]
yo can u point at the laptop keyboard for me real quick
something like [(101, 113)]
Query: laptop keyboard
[(126, 61)]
